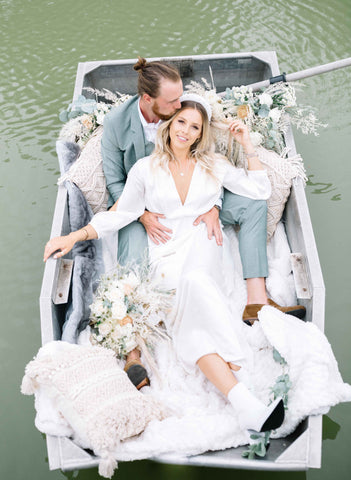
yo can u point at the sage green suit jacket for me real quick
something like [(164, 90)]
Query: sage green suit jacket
[(122, 144)]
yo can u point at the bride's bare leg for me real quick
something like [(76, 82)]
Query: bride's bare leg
[(218, 372), (253, 414), (133, 355), (135, 370)]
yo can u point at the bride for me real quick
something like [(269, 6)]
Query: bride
[(183, 179)]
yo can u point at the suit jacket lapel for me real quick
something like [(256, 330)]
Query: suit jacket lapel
[(137, 133)]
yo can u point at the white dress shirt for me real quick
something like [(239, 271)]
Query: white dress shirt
[(150, 129)]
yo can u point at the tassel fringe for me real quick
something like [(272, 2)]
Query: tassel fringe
[(107, 465), (297, 162), (28, 386)]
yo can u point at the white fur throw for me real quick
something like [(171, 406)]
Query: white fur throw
[(87, 173), (94, 396)]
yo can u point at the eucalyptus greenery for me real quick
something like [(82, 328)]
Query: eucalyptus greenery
[(260, 441), (78, 107), (258, 446)]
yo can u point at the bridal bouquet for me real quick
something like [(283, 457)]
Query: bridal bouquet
[(127, 311)]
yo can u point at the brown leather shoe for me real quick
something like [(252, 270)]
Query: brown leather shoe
[(137, 374), (251, 311)]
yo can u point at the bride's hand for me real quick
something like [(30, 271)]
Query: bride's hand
[(240, 133), (61, 245)]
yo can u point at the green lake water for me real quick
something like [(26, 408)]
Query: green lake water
[(41, 43)]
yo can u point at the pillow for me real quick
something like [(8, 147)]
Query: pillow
[(94, 395), (88, 175), (280, 172)]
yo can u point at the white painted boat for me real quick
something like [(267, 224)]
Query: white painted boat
[(300, 450)]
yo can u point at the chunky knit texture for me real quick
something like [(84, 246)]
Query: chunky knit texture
[(281, 172), (87, 173), (93, 394)]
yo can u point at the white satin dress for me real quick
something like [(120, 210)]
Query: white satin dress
[(201, 271)]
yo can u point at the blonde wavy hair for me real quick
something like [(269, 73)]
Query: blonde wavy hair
[(202, 150)]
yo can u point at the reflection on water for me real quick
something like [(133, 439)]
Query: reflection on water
[(330, 428), (320, 187)]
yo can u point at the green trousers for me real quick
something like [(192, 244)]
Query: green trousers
[(250, 215)]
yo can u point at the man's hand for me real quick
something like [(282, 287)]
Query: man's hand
[(155, 230), (211, 219)]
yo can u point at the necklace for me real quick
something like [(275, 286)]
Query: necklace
[(183, 171)]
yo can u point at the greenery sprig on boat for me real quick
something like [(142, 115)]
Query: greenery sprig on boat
[(259, 442)]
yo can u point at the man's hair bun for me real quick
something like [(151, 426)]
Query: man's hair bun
[(141, 64), (150, 75)]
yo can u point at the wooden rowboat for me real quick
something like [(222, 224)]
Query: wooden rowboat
[(300, 450)]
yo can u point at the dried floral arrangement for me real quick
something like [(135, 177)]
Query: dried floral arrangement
[(268, 114), (84, 115)]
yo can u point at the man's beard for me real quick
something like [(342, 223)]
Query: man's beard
[(160, 115)]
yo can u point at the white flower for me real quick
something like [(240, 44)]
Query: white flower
[(212, 96), (275, 114), (116, 334), (256, 138), (265, 99), (118, 310), (99, 117), (130, 344), (105, 328), (100, 112), (120, 332), (129, 283), (114, 294), (97, 308)]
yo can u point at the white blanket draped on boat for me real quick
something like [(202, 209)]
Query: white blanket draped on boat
[(200, 418)]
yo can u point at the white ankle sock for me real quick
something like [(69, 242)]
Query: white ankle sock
[(252, 413)]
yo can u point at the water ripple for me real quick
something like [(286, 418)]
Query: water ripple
[(40, 58)]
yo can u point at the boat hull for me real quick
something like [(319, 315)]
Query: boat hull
[(300, 450)]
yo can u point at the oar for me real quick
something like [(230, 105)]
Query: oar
[(309, 72)]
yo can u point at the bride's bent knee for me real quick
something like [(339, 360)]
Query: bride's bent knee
[(234, 367)]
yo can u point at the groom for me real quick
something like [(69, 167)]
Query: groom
[(129, 134)]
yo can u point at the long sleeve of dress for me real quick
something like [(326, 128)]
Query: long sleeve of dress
[(254, 184), (131, 205)]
